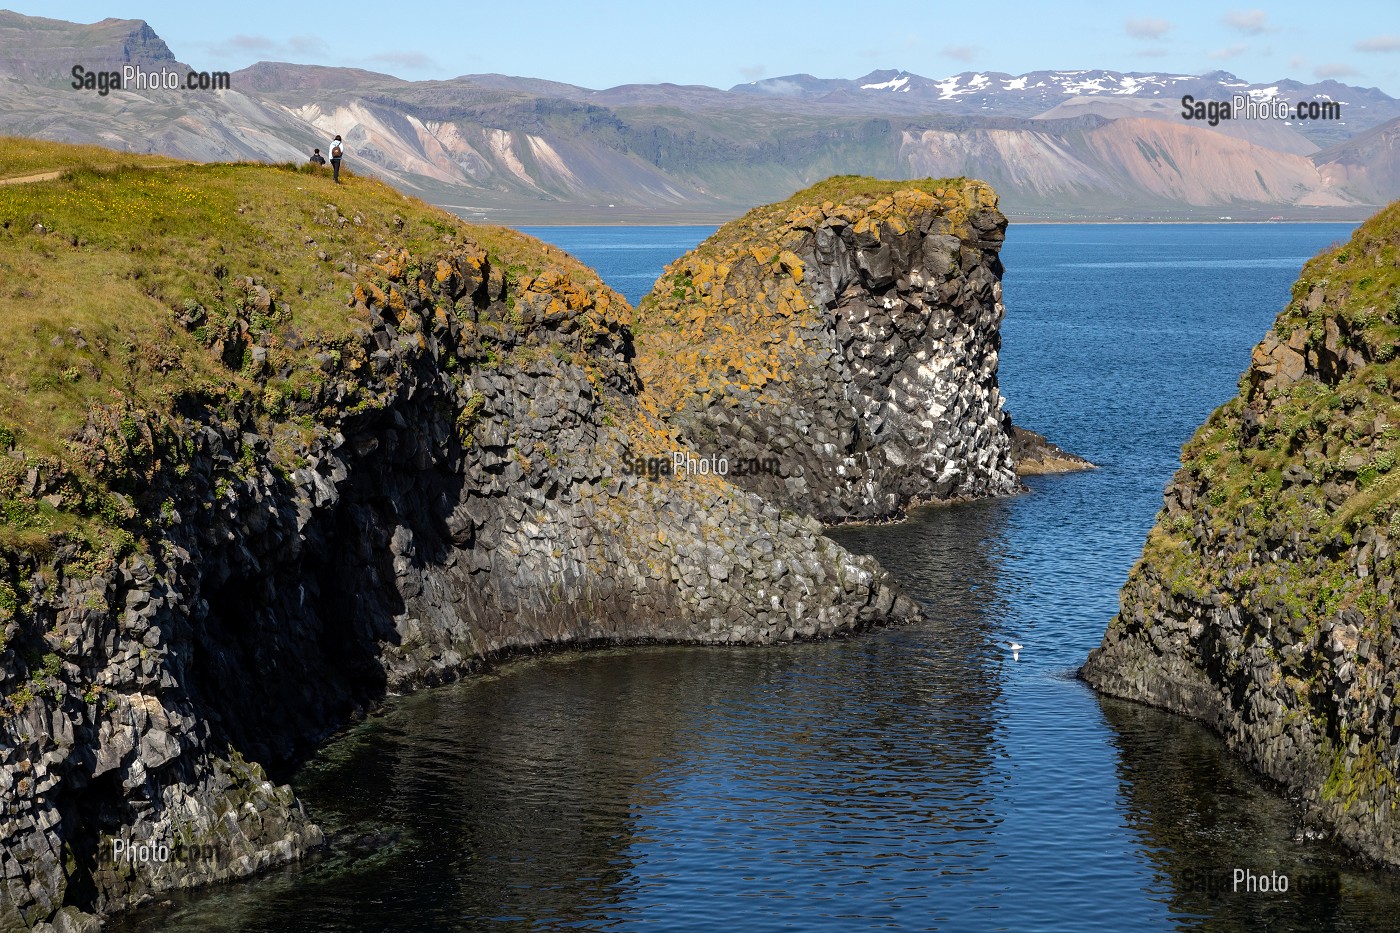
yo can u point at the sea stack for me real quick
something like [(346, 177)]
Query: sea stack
[(839, 350), (1265, 601)]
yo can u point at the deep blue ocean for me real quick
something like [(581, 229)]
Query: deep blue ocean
[(915, 778)]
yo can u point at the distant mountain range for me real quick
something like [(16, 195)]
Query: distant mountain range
[(1056, 144)]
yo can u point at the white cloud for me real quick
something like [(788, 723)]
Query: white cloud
[(1233, 51), (1379, 44), (1250, 22), (296, 48), (1335, 70), (1146, 27), (253, 43), (754, 72), (962, 53), (306, 45), (404, 59)]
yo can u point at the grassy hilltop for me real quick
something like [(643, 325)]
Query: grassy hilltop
[(133, 286)]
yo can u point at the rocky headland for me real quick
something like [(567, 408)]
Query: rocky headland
[(272, 449), (839, 350), (1264, 603)]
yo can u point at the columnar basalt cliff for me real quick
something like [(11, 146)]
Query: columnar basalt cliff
[(305, 446), (1264, 603), (840, 349)]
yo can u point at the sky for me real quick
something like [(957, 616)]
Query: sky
[(721, 43)]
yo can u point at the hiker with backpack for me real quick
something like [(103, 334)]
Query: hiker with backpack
[(335, 159)]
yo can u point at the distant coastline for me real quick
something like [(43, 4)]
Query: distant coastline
[(1014, 222), (642, 217)]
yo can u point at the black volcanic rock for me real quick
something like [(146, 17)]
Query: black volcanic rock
[(840, 350)]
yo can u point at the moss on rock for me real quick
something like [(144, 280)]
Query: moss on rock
[(1264, 601)]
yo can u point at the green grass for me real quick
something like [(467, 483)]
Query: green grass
[(129, 250), (731, 312), (23, 157), (124, 291), (1345, 433), (772, 222)]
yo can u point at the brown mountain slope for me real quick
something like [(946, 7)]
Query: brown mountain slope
[(521, 150), (1196, 166), (1124, 161), (1270, 134), (1368, 165)]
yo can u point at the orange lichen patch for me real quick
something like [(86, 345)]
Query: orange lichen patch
[(791, 264), (397, 303), (738, 310), (368, 293), (869, 226)]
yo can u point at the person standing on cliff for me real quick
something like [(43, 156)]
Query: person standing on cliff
[(336, 152)]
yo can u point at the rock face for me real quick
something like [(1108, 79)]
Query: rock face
[(45, 50), (453, 481), (1264, 603), (839, 350), (1036, 456)]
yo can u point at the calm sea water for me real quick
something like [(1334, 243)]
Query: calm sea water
[(911, 779)]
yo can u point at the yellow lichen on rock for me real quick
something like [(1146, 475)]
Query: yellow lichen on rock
[(747, 291), (791, 264)]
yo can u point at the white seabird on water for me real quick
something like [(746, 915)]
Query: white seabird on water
[(1015, 650)]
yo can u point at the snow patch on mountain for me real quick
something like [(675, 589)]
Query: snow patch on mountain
[(894, 84)]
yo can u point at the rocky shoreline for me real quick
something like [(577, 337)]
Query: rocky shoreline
[(1264, 602), (452, 479)]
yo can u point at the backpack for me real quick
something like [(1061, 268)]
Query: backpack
[(335, 151)]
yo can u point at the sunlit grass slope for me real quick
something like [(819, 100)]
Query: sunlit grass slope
[(132, 286)]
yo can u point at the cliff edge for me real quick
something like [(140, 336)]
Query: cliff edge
[(839, 350), (1264, 603), (273, 448)]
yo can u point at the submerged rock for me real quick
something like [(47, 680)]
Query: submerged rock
[(1265, 603), (1036, 456)]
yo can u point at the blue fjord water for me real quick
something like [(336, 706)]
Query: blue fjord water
[(914, 778)]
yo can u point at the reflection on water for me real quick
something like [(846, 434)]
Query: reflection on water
[(1203, 816), (915, 778)]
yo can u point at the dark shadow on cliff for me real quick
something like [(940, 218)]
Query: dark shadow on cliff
[(288, 650)]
